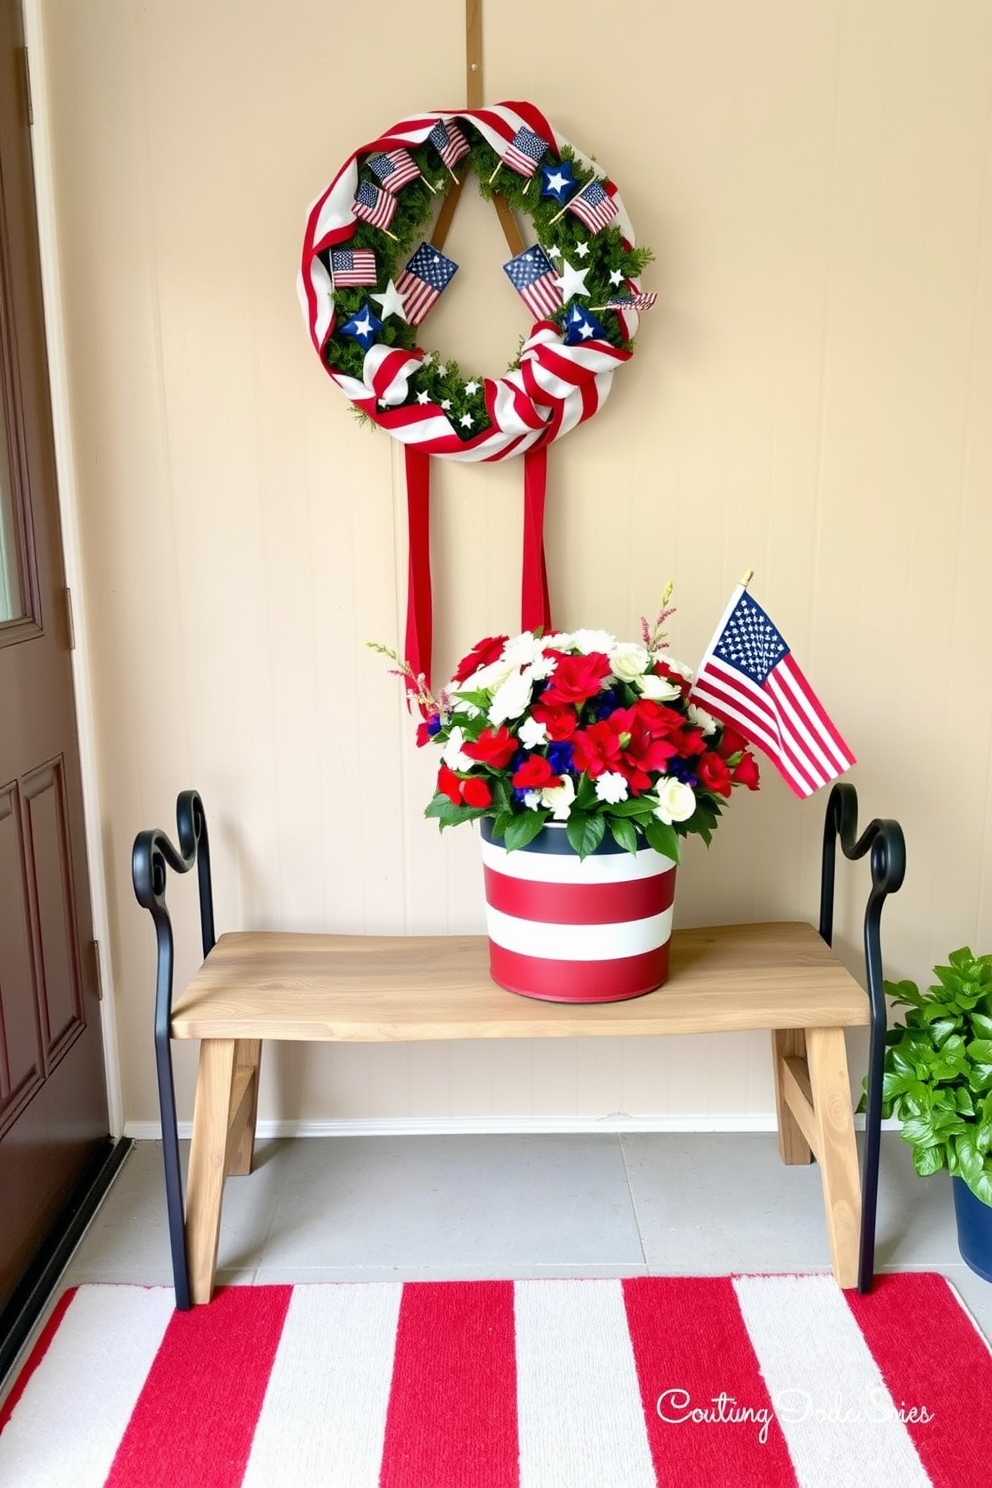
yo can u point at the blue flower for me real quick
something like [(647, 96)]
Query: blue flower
[(560, 757)]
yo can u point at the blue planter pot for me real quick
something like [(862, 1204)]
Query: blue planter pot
[(974, 1229)]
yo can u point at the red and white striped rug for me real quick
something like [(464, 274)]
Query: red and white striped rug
[(689, 1382)]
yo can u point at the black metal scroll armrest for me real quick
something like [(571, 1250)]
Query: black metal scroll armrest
[(153, 854), (884, 838)]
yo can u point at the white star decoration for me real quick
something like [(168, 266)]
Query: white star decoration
[(466, 420), (391, 300), (446, 404), (572, 282), (554, 252), (616, 278), (423, 397), (582, 250), (471, 387)]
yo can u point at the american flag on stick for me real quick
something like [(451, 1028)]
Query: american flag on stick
[(532, 275), (374, 206), (524, 153), (427, 273), (594, 206), (642, 300), (394, 168), (750, 679), (449, 142), (352, 266)]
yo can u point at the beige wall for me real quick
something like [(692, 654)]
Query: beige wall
[(811, 398)]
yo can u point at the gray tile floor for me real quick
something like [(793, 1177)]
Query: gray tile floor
[(454, 1207)]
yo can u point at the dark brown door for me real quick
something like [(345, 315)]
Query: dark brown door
[(53, 1100)]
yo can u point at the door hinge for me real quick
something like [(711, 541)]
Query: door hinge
[(70, 624), (95, 970), (26, 86)]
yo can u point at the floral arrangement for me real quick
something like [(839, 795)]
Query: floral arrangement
[(582, 729)]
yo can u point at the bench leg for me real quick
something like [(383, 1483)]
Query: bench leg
[(818, 1094), (223, 1124), (247, 1056), (788, 1043)]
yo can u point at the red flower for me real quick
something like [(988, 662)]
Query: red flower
[(732, 742), (597, 748), (746, 772), (662, 669), (535, 774), (449, 785), (576, 678), (470, 792), (560, 723), (714, 773), (475, 792), (493, 749), (480, 655)]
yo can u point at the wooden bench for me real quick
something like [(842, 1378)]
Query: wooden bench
[(259, 985)]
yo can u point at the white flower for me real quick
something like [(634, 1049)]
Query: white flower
[(677, 666), (487, 678), (701, 718), (593, 640), (543, 667), (611, 787), (452, 751), (532, 734), (629, 660), (676, 801), (523, 649), (559, 798), (658, 689), (511, 697), (532, 799)]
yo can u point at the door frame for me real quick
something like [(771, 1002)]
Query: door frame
[(41, 148)]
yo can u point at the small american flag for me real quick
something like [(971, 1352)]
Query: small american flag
[(642, 300), (394, 168), (594, 206), (427, 273), (350, 266), (374, 206), (582, 326), (532, 275), (749, 678), (525, 152), (449, 142)]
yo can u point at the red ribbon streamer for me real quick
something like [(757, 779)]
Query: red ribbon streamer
[(535, 602)]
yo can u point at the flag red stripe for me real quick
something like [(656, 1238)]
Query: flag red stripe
[(452, 1419), (580, 904), (900, 1319), (827, 731), (683, 1366), (739, 700), (194, 1408), (578, 981)]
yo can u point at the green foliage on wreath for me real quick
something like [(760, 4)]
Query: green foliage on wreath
[(441, 379)]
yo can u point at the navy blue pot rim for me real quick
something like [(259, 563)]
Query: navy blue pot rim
[(551, 839)]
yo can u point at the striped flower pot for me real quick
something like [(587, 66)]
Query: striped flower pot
[(571, 929)]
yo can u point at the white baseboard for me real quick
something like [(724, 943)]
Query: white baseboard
[(438, 1126)]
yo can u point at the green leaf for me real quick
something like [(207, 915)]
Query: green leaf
[(982, 1024), (523, 829), (447, 814), (927, 1160), (584, 832), (624, 833), (663, 838)]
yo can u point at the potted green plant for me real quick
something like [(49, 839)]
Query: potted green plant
[(938, 1085)]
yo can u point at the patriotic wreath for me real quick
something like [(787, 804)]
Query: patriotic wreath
[(365, 293)]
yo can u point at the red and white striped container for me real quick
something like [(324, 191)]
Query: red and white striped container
[(571, 929)]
